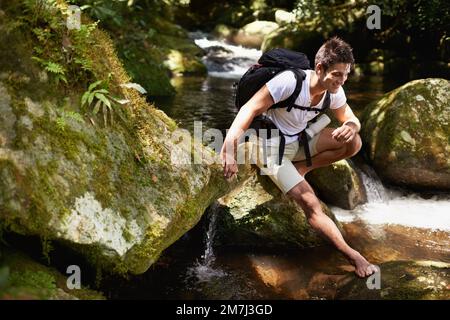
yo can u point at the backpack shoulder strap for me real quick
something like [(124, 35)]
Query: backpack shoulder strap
[(300, 76), (326, 105)]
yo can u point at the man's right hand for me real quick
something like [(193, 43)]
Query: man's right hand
[(230, 167)]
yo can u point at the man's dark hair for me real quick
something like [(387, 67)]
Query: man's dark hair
[(334, 50)]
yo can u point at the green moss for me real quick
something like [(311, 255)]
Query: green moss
[(31, 280)]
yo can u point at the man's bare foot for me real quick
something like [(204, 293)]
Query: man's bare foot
[(362, 267)]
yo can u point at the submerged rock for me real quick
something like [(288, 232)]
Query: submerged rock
[(407, 134), (401, 280)]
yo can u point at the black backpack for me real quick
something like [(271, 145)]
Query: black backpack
[(269, 65)]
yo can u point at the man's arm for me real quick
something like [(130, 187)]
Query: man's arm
[(259, 103), (350, 124)]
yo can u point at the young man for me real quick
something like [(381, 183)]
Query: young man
[(333, 63)]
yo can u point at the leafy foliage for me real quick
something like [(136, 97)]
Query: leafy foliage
[(98, 98)]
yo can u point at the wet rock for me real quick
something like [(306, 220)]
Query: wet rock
[(401, 280), (24, 278), (257, 214), (338, 184), (406, 134)]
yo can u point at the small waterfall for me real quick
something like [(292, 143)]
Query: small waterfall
[(374, 188), (204, 270), (392, 206), (209, 257), (225, 60)]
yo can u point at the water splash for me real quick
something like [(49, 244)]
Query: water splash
[(204, 269), (411, 210)]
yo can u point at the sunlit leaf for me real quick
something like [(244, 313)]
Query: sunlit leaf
[(93, 85), (102, 97), (135, 86), (97, 107)]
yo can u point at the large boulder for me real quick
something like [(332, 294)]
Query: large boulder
[(293, 37), (252, 34), (283, 17), (118, 192), (407, 134), (400, 280), (338, 184), (257, 214)]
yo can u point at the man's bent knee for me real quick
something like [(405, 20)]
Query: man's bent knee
[(353, 146)]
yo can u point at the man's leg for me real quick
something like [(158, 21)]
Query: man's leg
[(304, 195), (329, 150)]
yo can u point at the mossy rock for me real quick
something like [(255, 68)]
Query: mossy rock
[(401, 280), (27, 279), (294, 38), (252, 35), (338, 184), (257, 214), (119, 193), (407, 135)]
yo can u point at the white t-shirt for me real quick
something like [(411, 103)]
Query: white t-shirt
[(281, 87)]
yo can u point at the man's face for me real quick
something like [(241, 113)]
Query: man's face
[(334, 77)]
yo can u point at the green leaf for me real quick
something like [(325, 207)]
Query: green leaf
[(102, 97), (84, 98), (105, 113), (91, 97), (120, 101), (93, 85), (135, 86), (102, 91), (97, 107)]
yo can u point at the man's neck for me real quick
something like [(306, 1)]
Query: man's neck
[(315, 88)]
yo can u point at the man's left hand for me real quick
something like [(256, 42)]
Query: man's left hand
[(344, 133)]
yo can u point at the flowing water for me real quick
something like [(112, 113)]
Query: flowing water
[(392, 225)]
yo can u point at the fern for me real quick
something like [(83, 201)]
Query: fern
[(100, 99), (58, 71), (54, 68), (60, 124)]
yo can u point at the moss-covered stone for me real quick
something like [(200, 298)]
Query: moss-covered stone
[(338, 184), (119, 194), (30, 280), (295, 38), (407, 134), (257, 214), (402, 280), (252, 34)]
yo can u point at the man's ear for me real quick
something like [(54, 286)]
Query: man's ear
[(319, 69)]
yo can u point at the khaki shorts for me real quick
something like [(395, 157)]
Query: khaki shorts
[(285, 176)]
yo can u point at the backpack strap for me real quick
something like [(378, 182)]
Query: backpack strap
[(300, 76), (326, 105)]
